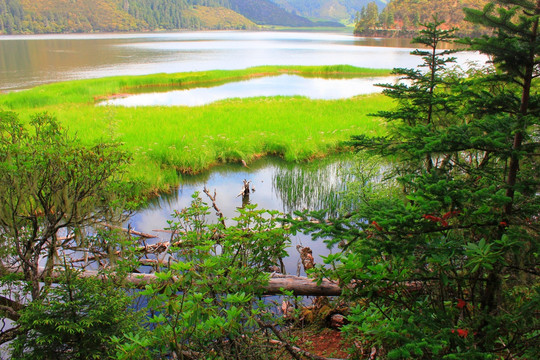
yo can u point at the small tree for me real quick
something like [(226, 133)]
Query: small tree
[(49, 183), (207, 301), (368, 19), (424, 103), (76, 320)]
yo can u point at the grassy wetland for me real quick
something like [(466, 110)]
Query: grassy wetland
[(168, 141)]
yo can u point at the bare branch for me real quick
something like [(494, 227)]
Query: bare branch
[(214, 205)]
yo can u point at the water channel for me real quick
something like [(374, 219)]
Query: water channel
[(282, 85)]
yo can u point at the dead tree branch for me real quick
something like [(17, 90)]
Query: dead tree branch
[(214, 205)]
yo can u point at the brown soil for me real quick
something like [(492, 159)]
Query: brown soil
[(325, 343)]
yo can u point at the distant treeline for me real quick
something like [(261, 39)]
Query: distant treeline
[(58, 16), (404, 17), (168, 14)]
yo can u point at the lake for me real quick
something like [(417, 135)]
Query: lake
[(30, 60), (278, 186)]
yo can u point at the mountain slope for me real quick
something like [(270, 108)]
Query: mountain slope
[(76, 16), (57, 16), (337, 10), (220, 18), (265, 12)]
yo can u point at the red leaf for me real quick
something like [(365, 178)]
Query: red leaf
[(432, 218), (377, 226)]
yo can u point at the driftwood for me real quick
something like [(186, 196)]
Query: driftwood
[(129, 231), (214, 205), (64, 238), (168, 231), (306, 256), (300, 285)]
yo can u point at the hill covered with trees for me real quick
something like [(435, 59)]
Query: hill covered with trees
[(334, 10), (404, 17), (265, 12), (60, 16)]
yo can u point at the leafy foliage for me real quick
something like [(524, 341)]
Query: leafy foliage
[(50, 184), (207, 302), (449, 268), (75, 321)]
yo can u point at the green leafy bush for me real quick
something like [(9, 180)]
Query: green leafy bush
[(75, 321), (207, 302)]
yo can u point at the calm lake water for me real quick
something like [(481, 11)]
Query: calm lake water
[(282, 85), (27, 61)]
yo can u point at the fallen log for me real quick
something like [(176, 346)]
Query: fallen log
[(277, 284), (300, 286)]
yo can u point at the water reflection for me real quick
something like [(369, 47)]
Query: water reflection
[(285, 85), (26, 61), (313, 186), (278, 186)]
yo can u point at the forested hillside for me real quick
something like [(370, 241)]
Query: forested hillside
[(403, 17), (219, 18), (264, 12), (337, 10), (58, 16)]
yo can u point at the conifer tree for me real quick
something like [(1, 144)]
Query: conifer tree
[(514, 48), (421, 107), (449, 267)]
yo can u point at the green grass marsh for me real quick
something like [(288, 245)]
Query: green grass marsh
[(166, 141)]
